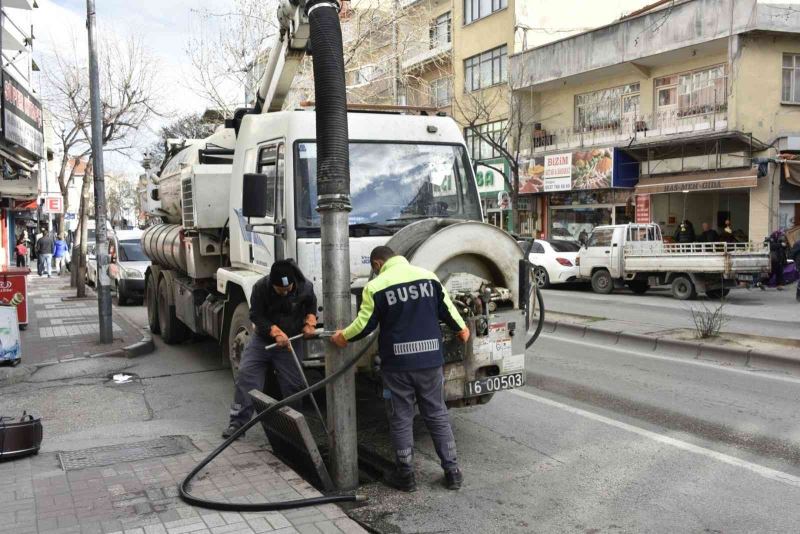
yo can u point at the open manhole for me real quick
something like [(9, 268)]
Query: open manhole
[(126, 452)]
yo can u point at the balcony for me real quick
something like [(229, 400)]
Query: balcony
[(421, 59), (635, 128), (408, 3), (14, 36)]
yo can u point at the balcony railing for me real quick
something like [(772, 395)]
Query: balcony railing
[(606, 125)]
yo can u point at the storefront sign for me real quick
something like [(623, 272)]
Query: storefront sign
[(643, 209), (53, 205), (531, 176), (689, 183), (488, 175), (558, 172), (22, 117)]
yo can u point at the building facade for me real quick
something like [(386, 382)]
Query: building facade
[(22, 141), (664, 116)]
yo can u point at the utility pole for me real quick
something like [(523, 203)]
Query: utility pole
[(103, 282), (333, 204)]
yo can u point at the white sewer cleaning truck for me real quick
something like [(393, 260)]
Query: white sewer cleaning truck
[(412, 188)]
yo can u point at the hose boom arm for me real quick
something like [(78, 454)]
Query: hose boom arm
[(285, 56)]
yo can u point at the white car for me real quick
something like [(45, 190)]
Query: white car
[(127, 266), (554, 261)]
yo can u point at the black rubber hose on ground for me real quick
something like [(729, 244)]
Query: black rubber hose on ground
[(188, 498), (539, 298)]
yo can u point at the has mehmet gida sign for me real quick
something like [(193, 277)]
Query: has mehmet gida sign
[(22, 117)]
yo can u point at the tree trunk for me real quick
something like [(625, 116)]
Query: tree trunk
[(80, 272)]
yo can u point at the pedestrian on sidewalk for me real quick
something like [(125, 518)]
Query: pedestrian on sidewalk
[(22, 253), (60, 251), (44, 250), (283, 305), (408, 302), (778, 250)]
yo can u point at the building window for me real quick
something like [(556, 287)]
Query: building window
[(441, 92), (691, 93), (479, 148), (477, 9), (440, 31), (486, 69), (368, 73), (790, 89), (607, 108)]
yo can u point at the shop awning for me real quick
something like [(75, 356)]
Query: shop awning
[(703, 181)]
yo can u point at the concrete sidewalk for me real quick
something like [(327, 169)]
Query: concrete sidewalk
[(113, 453)]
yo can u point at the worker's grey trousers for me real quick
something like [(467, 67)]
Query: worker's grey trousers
[(253, 371), (426, 386)]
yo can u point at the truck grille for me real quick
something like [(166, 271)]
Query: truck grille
[(187, 201)]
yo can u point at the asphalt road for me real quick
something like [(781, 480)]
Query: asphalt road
[(599, 440), (768, 313)]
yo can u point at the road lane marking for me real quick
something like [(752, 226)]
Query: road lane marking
[(766, 472), (711, 364)]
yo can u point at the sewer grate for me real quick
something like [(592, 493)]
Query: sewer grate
[(127, 452)]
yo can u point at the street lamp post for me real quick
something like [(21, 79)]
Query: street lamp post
[(103, 282)]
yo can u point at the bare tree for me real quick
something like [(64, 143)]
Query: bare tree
[(225, 47), (128, 100), (508, 140)]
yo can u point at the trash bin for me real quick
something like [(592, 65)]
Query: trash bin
[(14, 291)]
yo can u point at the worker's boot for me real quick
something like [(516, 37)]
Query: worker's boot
[(401, 481), (232, 428), (453, 479)]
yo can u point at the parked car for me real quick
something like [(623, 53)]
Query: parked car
[(127, 265), (554, 261)]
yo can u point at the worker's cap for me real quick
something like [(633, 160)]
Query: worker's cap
[(282, 274)]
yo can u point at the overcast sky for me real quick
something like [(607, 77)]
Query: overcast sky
[(163, 25)]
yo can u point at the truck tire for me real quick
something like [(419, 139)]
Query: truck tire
[(541, 277), (172, 330), (683, 288), (239, 335), (151, 302), (602, 282), (639, 287)]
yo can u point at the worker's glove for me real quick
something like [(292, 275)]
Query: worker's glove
[(281, 339), (463, 335), (339, 340), (310, 326)]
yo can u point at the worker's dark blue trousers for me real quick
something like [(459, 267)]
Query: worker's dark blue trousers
[(252, 374), (426, 387)]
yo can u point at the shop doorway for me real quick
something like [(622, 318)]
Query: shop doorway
[(712, 207)]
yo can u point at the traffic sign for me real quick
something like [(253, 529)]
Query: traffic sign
[(53, 205)]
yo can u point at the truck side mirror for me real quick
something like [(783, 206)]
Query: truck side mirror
[(254, 195)]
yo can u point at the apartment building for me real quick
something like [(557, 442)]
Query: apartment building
[(677, 113), (22, 138)]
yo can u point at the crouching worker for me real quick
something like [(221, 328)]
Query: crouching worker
[(407, 303), (282, 305)]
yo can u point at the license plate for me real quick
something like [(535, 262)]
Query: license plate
[(490, 384)]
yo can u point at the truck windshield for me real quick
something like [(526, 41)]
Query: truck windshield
[(393, 183)]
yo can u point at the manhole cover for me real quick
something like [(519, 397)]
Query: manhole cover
[(127, 452)]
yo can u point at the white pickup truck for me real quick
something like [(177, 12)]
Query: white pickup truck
[(635, 255)]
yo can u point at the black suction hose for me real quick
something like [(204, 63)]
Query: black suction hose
[(188, 498), (539, 298)]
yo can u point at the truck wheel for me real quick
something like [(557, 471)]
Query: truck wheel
[(602, 282), (151, 301), (239, 336), (717, 293), (639, 287), (683, 288), (172, 330), (541, 277)]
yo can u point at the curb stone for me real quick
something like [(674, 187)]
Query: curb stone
[(16, 374), (696, 350)]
